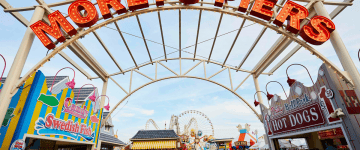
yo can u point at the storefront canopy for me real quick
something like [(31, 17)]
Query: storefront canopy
[(154, 145)]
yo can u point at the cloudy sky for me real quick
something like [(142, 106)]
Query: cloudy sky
[(160, 100)]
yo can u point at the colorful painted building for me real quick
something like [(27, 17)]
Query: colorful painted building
[(326, 114), (40, 118), (155, 139)]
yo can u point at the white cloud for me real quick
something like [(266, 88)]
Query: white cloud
[(127, 114), (147, 112), (143, 111)]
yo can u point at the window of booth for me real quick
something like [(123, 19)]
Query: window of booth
[(333, 138)]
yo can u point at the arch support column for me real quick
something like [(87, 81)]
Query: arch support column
[(16, 68), (257, 87), (102, 102), (341, 50)]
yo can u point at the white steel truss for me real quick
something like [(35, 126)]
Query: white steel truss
[(75, 46)]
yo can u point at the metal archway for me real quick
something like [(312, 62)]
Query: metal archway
[(182, 75), (257, 70), (86, 57)]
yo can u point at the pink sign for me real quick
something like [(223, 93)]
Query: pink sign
[(75, 110)]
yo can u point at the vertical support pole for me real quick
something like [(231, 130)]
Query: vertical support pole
[(156, 71), (257, 87), (131, 75), (18, 64), (204, 69), (180, 65), (99, 145), (180, 34), (230, 79), (341, 50), (104, 89)]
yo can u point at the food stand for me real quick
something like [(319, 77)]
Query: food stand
[(37, 118), (155, 139), (325, 114)]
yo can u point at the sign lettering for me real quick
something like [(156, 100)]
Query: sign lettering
[(306, 117), (240, 143), (75, 110), (297, 103), (54, 126), (316, 32), (325, 96)]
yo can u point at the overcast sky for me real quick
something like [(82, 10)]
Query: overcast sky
[(160, 100)]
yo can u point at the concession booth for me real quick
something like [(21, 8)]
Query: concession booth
[(43, 114), (155, 139), (326, 114)]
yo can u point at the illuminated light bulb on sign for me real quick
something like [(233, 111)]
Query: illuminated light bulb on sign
[(262, 9), (137, 4), (105, 5), (159, 2), (187, 2), (294, 13), (89, 18), (219, 3), (318, 30), (56, 19), (244, 4)]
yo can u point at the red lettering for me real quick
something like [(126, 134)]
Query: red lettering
[(56, 19), (262, 9), (73, 128), (137, 4), (49, 121), (67, 105), (318, 30), (57, 124), (62, 126), (67, 125), (159, 2), (219, 3), (294, 13), (76, 127), (244, 4), (105, 5), (82, 130), (327, 102), (83, 20), (88, 131)]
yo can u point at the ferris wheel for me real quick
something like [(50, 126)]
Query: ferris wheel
[(195, 122)]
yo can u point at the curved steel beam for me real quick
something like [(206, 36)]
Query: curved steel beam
[(182, 76), (229, 12)]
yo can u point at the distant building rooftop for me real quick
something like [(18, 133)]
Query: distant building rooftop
[(155, 135), (110, 139), (84, 92), (49, 80)]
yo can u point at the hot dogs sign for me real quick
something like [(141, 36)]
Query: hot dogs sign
[(305, 107)]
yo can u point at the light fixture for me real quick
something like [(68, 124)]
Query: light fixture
[(292, 81), (256, 103), (70, 84), (92, 97), (270, 96)]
